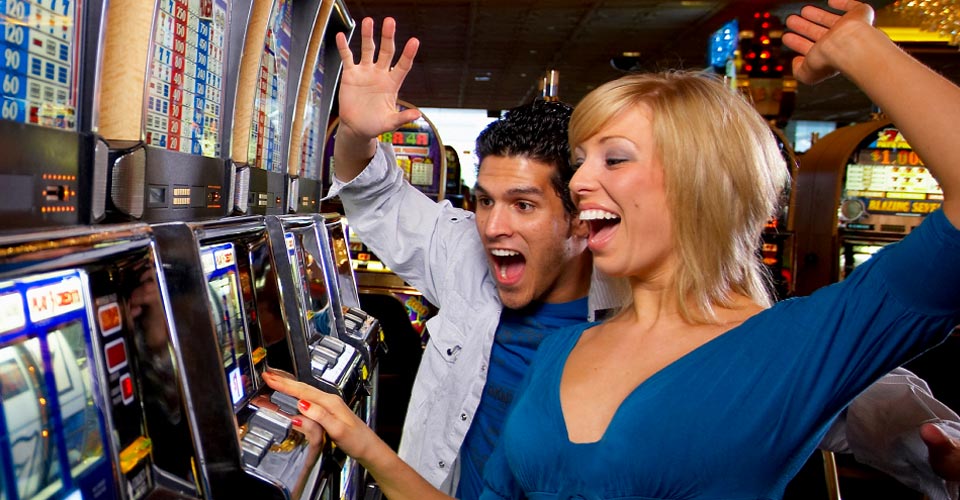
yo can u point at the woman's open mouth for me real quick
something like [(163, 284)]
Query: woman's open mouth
[(603, 225)]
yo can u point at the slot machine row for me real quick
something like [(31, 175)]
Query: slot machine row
[(140, 350)]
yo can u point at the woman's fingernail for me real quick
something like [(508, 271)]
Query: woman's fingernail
[(304, 405), (296, 421)]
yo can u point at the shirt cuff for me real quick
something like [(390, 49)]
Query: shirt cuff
[(372, 174)]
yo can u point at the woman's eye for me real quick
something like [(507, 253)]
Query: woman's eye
[(614, 161)]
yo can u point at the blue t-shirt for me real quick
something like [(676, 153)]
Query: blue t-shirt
[(516, 340), (737, 417)]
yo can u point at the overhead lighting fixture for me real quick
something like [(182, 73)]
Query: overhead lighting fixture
[(938, 16)]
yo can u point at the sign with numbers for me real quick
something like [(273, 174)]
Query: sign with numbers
[(266, 131), (186, 76), (39, 40), (315, 124)]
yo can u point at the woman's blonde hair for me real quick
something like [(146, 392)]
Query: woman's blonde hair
[(724, 174)]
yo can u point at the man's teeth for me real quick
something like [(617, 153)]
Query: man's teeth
[(503, 253), (596, 214)]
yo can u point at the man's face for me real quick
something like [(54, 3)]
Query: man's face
[(533, 245)]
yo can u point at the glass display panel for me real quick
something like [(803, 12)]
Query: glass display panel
[(308, 273), (52, 425), (268, 106), (40, 70), (186, 76), (223, 291)]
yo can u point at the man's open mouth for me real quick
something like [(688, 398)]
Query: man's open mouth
[(508, 265)]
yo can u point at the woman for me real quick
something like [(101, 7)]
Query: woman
[(701, 389)]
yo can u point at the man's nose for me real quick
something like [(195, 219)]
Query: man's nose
[(497, 223)]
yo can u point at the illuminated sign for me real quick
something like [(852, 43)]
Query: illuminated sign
[(53, 300), (890, 138)]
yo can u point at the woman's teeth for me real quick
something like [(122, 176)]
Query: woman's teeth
[(596, 214)]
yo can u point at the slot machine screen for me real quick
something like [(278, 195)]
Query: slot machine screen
[(40, 62), (266, 131), (52, 432), (308, 273), (186, 76), (888, 178), (223, 291)]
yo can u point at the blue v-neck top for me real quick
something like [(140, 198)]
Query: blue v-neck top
[(738, 416)]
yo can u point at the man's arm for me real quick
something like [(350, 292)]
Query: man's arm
[(882, 429), (368, 96)]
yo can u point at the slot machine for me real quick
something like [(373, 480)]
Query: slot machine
[(362, 330), (53, 169), (315, 95), (91, 406), (245, 430), (168, 71), (327, 328), (258, 142), (860, 187)]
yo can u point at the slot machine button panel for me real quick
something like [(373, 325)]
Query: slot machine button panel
[(115, 354), (253, 448), (286, 403), (274, 424), (126, 388), (333, 345)]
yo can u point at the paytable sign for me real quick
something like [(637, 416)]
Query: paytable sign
[(316, 125), (267, 127), (186, 76), (40, 62)]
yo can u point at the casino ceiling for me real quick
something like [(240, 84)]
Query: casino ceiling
[(491, 54)]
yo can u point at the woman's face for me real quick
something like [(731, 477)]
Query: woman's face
[(619, 189)]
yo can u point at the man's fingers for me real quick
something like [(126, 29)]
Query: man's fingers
[(344, 48), (403, 66), (367, 46), (387, 46)]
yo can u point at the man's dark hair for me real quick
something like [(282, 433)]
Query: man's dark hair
[(537, 131)]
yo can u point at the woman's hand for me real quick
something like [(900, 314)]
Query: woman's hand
[(820, 37), (344, 427)]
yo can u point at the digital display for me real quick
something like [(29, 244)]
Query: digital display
[(315, 124), (40, 62), (419, 153), (890, 178), (53, 427), (268, 107), (186, 76), (223, 291)]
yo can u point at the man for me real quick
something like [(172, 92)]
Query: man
[(503, 277)]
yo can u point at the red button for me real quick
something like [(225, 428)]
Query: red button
[(116, 355), (126, 388)]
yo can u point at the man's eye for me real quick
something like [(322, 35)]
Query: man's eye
[(524, 206), (484, 202)]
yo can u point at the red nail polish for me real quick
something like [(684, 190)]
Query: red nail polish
[(304, 405), (296, 421)]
